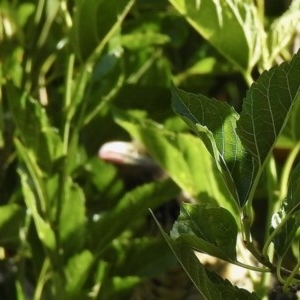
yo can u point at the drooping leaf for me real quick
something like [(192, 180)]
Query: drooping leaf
[(210, 286), (228, 26), (207, 229), (215, 123), (194, 169)]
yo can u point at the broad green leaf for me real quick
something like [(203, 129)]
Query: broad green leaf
[(228, 26), (100, 19), (77, 271), (215, 123), (133, 205), (43, 228), (207, 229), (210, 286), (267, 107), (12, 218)]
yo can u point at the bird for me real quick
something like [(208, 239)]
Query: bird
[(136, 167)]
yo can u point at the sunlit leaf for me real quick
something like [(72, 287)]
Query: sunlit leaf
[(231, 26)]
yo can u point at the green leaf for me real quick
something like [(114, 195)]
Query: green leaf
[(292, 202), (133, 205), (210, 286), (12, 217), (194, 171), (267, 107), (215, 123), (207, 229), (280, 37), (34, 127), (43, 228), (291, 131), (100, 19), (72, 218), (286, 235), (77, 271), (228, 26)]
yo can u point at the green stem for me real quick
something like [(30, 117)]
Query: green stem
[(289, 280)]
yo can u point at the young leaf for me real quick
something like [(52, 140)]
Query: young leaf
[(228, 26), (207, 229)]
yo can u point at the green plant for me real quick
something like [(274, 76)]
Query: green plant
[(68, 227)]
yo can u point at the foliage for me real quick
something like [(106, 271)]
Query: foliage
[(76, 74)]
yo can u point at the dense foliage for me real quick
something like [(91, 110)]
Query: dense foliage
[(210, 88)]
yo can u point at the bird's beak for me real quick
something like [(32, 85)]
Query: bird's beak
[(123, 153)]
